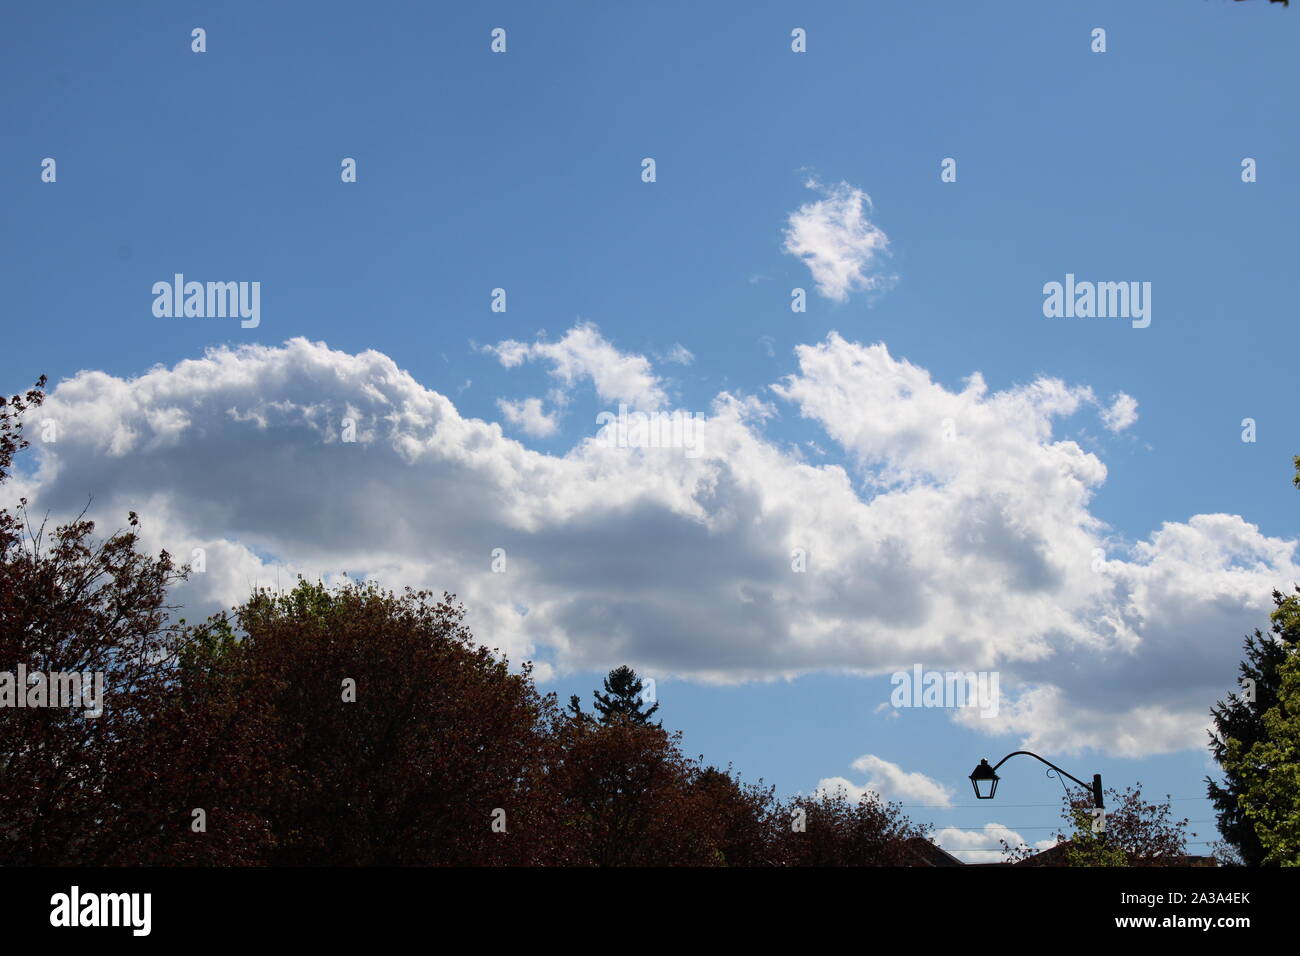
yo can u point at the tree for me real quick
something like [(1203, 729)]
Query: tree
[(1134, 833), (1239, 723), (622, 699), (575, 711), (1139, 832), (742, 818), (1268, 773), (366, 728), (627, 796), (830, 829), (624, 796), (11, 424), (73, 782)]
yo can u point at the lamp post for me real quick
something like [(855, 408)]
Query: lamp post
[(985, 778)]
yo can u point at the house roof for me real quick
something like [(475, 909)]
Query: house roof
[(925, 853)]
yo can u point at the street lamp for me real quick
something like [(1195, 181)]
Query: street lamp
[(985, 778)]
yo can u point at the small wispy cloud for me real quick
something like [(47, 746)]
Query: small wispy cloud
[(891, 781), (679, 355), (584, 354), (1121, 414), (837, 241)]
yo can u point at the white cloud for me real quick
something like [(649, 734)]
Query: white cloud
[(982, 846), (528, 415), (1121, 414), (583, 354), (680, 355), (836, 240), (891, 782), (958, 534)]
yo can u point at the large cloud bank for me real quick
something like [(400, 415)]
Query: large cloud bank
[(955, 533)]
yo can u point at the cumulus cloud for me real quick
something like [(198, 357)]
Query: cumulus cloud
[(891, 782), (951, 527), (1121, 414), (982, 846), (528, 415), (836, 240)]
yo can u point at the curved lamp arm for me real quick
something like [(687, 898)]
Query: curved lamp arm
[(1094, 788)]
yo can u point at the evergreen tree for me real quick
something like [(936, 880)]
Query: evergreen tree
[(575, 710), (1270, 773), (622, 698), (1239, 724)]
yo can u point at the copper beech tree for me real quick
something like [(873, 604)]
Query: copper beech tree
[(355, 726), (71, 783), (836, 830)]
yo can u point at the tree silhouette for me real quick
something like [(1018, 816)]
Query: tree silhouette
[(74, 785), (622, 699), (1136, 833), (829, 828), (363, 727)]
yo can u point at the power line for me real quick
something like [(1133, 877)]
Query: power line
[(1054, 826), (998, 849), (971, 806)]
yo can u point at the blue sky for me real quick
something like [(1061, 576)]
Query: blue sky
[(523, 171)]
